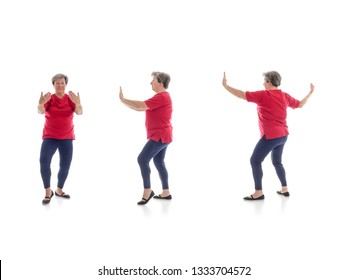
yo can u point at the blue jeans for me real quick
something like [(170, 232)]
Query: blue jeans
[(156, 151), (261, 150), (48, 149)]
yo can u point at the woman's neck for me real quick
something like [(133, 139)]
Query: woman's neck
[(60, 94)]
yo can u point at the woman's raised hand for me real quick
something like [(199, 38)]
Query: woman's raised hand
[(44, 98), (75, 97)]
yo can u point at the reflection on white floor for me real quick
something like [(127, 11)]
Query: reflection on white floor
[(207, 223)]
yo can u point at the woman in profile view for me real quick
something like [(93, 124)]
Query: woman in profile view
[(158, 110)]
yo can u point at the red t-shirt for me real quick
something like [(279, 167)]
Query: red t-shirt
[(59, 115), (158, 117), (272, 111)]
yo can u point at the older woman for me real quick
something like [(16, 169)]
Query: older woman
[(58, 133), (272, 112), (159, 134)]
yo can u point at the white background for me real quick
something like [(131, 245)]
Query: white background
[(102, 45)]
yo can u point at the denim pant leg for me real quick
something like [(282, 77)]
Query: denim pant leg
[(276, 158), (65, 152), (261, 150), (48, 149), (161, 167), (149, 151)]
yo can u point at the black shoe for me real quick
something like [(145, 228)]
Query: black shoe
[(283, 193), (163, 197), (47, 199), (63, 195), (254, 198), (145, 201)]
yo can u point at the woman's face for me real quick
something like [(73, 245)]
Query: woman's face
[(155, 84), (59, 85), (266, 84)]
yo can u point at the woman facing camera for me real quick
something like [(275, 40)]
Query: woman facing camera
[(58, 133)]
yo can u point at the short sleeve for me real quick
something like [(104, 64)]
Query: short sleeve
[(72, 104), (155, 102), (292, 102), (254, 96), (47, 104)]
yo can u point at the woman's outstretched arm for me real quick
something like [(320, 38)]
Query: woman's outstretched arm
[(305, 99), (238, 93)]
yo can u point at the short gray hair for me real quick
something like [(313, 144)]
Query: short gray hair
[(60, 76), (163, 78), (273, 77)]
